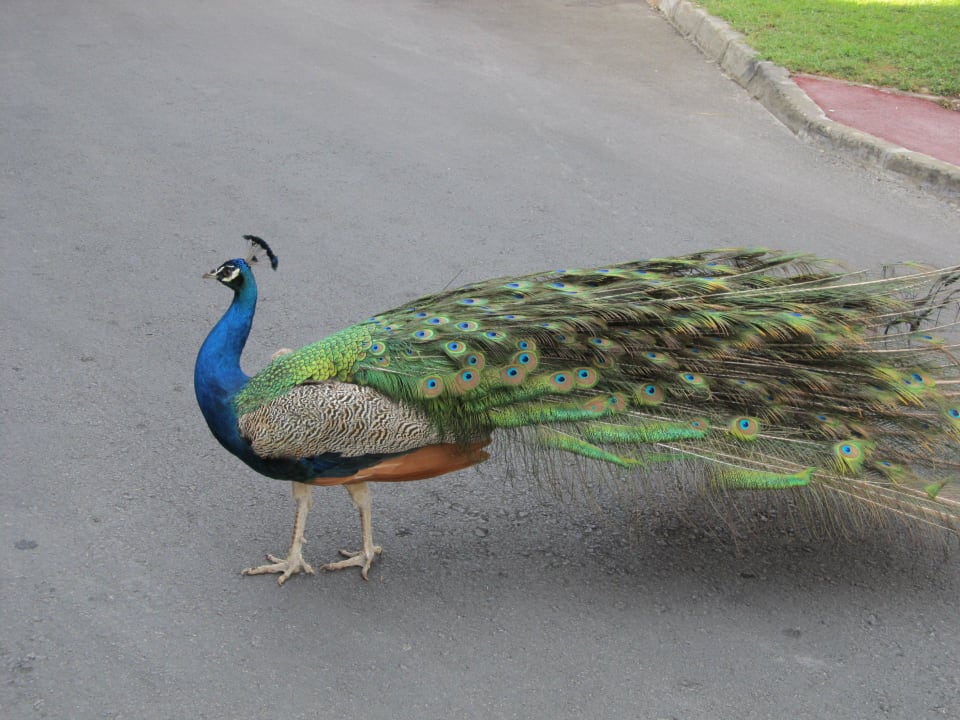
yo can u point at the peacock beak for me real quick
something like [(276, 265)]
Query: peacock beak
[(212, 275)]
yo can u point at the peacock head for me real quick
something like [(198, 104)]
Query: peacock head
[(233, 273)]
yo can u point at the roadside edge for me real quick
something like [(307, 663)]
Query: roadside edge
[(773, 87)]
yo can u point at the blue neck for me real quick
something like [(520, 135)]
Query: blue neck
[(217, 376)]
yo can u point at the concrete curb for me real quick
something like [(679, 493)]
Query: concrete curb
[(772, 86)]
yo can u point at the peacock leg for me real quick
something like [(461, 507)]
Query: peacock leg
[(294, 562), (360, 494)]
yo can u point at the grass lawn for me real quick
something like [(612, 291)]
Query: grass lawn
[(907, 44)]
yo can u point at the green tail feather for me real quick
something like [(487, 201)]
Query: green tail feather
[(744, 479), (770, 368)]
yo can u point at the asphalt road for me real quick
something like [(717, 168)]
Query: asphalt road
[(388, 149)]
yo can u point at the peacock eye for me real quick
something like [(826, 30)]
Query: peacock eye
[(228, 273)]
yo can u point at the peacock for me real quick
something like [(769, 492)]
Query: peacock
[(770, 370)]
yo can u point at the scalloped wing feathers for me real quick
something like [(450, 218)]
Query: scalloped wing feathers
[(334, 417)]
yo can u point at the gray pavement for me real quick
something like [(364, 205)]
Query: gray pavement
[(387, 149)]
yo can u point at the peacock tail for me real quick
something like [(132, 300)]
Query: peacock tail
[(772, 370)]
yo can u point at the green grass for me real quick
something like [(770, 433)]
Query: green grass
[(912, 45)]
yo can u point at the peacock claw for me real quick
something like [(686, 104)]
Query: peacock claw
[(362, 559), (285, 566)]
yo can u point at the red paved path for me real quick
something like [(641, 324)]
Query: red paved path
[(911, 122)]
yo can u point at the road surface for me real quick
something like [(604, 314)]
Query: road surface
[(388, 149)]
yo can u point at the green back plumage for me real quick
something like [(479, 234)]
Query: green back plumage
[(771, 368)]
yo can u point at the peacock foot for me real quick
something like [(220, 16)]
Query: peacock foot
[(291, 565), (362, 559)]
